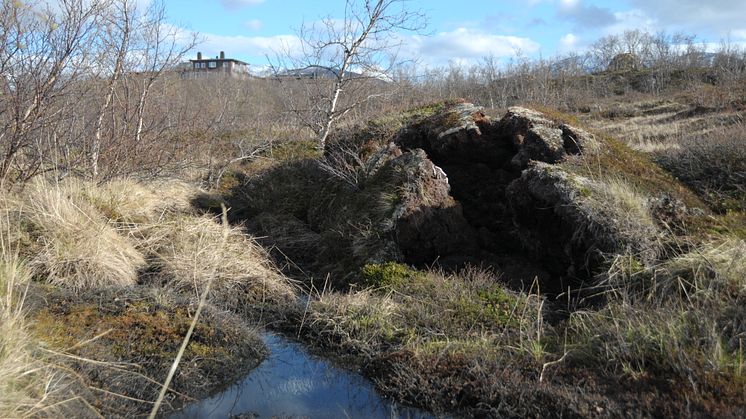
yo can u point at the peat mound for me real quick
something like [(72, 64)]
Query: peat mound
[(527, 194)]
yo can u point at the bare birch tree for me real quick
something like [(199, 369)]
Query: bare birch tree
[(117, 39), (344, 63), (41, 57)]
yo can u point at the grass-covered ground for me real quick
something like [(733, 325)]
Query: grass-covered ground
[(99, 284)]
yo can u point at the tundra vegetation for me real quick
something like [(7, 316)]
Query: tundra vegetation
[(556, 237)]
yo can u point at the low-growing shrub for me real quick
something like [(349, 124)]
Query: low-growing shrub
[(713, 165)]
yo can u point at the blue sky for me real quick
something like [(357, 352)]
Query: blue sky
[(458, 30)]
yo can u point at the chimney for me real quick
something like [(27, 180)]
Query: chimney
[(222, 55), (199, 55)]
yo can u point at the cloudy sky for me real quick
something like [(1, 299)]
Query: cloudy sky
[(461, 31)]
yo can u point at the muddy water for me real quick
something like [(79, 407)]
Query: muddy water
[(293, 383)]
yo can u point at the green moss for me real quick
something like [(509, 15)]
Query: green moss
[(136, 332), (555, 115), (489, 308), (390, 274), (730, 224), (142, 329)]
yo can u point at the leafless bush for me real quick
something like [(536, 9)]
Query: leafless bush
[(714, 165)]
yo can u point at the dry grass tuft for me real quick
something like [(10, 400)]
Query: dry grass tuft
[(73, 245), (629, 206), (684, 318), (24, 380), (187, 252), (127, 201), (719, 263)]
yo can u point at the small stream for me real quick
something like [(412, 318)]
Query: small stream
[(294, 383)]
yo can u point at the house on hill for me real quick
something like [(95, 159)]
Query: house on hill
[(218, 65)]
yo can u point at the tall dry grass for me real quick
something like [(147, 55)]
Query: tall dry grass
[(79, 236), (26, 383), (186, 254), (129, 202), (683, 318), (72, 244)]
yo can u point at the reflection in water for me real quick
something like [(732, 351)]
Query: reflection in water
[(292, 383)]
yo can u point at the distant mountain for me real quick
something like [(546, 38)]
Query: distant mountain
[(311, 72)]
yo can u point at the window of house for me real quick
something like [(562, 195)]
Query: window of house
[(213, 64)]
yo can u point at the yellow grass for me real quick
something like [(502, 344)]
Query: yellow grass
[(24, 380), (187, 252), (130, 202), (73, 245)]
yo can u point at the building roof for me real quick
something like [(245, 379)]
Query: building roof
[(219, 59)]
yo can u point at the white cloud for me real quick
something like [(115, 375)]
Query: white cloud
[(585, 15), (708, 19), (630, 20), (739, 34), (460, 46), (238, 4), (718, 16), (568, 43), (464, 44), (241, 46), (254, 24), (569, 4)]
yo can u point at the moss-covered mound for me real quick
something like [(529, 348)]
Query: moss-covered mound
[(447, 184), (122, 342)]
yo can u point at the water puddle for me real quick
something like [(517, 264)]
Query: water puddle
[(293, 383)]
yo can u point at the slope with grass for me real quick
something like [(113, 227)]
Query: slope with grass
[(701, 145)]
